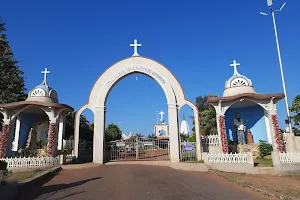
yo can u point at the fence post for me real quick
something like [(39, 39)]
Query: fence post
[(275, 158), (205, 157), (137, 148), (250, 158)]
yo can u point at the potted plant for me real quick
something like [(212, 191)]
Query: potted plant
[(3, 172)]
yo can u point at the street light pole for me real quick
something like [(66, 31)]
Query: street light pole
[(270, 3)]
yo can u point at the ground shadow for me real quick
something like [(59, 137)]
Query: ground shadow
[(33, 190)]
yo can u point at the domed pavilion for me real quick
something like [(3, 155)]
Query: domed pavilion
[(36, 123), (242, 110)]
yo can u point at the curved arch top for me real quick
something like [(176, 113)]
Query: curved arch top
[(246, 99), (168, 82)]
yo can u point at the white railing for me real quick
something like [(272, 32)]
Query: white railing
[(227, 158), (210, 140), (69, 158), (68, 144), (290, 157), (31, 162)]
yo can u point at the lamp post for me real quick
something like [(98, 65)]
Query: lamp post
[(156, 117), (272, 12)]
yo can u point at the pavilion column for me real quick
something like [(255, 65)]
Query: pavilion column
[(277, 135), (51, 146), (222, 132), (4, 138), (99, 139), (61, 132), (174, 133), (17, 134)]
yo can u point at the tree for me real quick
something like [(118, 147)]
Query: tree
[(12, 85), (152, 136), (86, 129), (207, 117), (295, 108), (139, 135), (112, 133)]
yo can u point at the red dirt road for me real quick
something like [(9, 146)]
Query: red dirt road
[(137, 182)]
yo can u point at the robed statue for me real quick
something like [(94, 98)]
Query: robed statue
[(239, 127)]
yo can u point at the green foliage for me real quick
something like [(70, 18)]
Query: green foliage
[(192, 138), (208, 122), (264, 149), (207, 115), (112, 133), (12, 85), (201, 102), (139, 135), (296, 131), (152, 136), (3, 165), (86, 129), (232, 146), (26, 152), (263, 162), (295, 108)]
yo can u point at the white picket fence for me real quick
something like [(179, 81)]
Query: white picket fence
[(31, 162), (35, 162), (210, 140), (237, 158), (69, 158), (290, 157)]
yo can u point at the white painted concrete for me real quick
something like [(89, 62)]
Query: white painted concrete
[(171, 87)]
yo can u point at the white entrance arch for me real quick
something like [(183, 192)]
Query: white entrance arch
[(98, 95)]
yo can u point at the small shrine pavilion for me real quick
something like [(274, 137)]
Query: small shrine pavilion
[(36, 123), (242, 110)]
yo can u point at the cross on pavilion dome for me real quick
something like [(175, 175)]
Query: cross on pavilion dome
[(43, 92), (238, 84)]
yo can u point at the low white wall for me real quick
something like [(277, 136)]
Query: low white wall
[(297, 142), (237, 163), (287, 167), (212, 149), (235, 168)]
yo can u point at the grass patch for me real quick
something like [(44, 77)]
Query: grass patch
[(263, 162), (21, 176)]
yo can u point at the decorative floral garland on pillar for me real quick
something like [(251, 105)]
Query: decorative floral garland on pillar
[(223, 134), (4, 140), (278, 134), (51, 139)]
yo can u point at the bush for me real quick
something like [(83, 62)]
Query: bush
[(3, 165), (264, 148), (3, 172)]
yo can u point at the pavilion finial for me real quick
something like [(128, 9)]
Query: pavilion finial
[(45, 72), (235, 64), (135, 46)]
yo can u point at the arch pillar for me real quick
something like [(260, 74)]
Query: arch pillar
[(76, 129), (99, 135), (197, 130), (173, 133)]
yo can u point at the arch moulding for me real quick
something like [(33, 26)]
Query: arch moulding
[(98, 95)]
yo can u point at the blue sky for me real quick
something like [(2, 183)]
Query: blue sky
[(197, 41)]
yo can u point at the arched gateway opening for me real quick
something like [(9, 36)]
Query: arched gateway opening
[(98, 95)]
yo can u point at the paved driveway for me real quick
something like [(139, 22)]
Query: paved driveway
[(137, 182)]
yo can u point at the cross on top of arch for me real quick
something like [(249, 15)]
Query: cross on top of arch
[(135, 46)]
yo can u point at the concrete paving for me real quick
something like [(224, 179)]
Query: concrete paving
[(137, 182)]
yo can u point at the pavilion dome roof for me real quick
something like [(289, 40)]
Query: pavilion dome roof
[(43, 92), (238, 84)]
